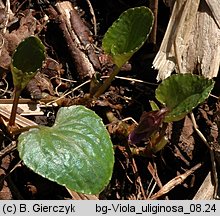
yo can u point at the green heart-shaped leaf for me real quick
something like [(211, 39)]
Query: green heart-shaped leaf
[(26, 60), (76, 152), (183, 92), (127, 34)]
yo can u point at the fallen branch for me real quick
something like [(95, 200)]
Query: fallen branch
[(78, 40), (174, 182)]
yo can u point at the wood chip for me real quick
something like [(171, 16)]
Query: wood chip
[(191, 43), (206, 190)]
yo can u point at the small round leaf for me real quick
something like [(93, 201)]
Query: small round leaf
[(127, 34), (76, 152), (180, 93), (26, 60)]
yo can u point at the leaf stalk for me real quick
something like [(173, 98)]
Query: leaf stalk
[(14, 107), (107, 82)]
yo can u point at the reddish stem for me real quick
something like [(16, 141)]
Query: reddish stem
[(14, 107)]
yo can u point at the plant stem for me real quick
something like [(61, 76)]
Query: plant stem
[(107, 82), (14, 107), (23, 129)]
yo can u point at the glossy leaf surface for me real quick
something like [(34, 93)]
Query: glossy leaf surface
[(26, 60), (76, 152), (181, 93), (127, 34)]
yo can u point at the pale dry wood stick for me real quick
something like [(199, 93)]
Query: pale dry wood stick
[(6, 88), (188, 15), (131, 80), (154, 7), (77, 50), (212, 155), (153, 171), (214, 6), (174, 182), (20, 121), (175, 38), (135, 170), (206, 190), (11, 147), (191, 41), (7, 12), (93, 17), (65, 94)]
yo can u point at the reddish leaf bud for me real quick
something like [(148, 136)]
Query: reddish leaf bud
[(148, 124)]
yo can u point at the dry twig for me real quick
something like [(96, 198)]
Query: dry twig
[(174, 182)]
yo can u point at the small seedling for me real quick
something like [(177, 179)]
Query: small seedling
[(26, 61), (125, 37), (148, 124), (179, 95)]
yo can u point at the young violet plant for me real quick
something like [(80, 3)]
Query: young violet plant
[(125, 37), (76, 151), (148, 124), (179, 94), (26, 61)]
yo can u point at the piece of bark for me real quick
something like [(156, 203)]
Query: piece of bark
[(202, 54), (84, 66), (214, 6), (38, 85), (186, 139), (153, 35), (85, 37), (196, 38), (5, 192), (206, 190), (12, 39), (174, 40)]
